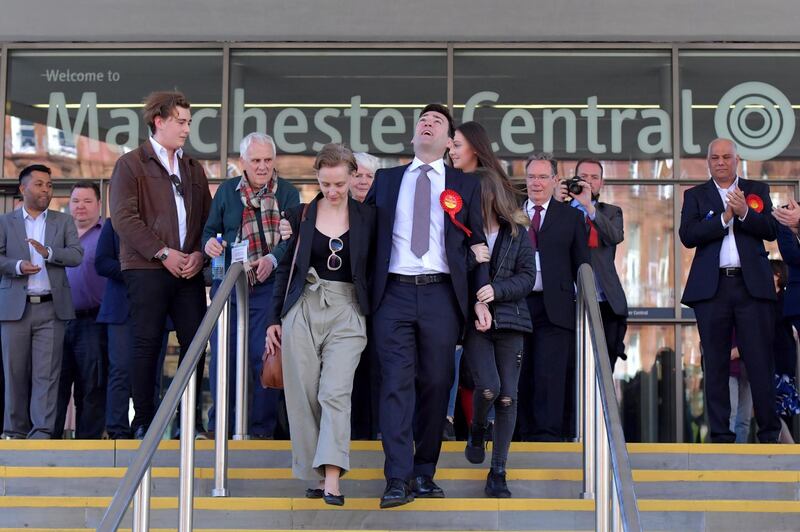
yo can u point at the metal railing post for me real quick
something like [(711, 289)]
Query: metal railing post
[(221, 435), (580, 355), (186, 493), (242, 319), (590, 404), (602, 470), (141, 505)]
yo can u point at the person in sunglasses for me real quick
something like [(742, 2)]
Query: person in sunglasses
[(317, 317)]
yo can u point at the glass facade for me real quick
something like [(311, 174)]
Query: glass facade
[(647, 111)]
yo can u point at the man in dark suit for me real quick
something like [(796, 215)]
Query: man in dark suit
[(605, 230), (730, 286), (36, 246), (558, 234), (421, 300), (789, 246)]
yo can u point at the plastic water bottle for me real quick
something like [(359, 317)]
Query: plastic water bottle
[(218, 263)]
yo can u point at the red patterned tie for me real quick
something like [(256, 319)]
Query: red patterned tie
[(594, 238), (536, 221)]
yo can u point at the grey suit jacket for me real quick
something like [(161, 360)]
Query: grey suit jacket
[(608, 222), (62, 238)]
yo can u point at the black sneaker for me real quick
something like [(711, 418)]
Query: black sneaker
[(475, 451), (496, 485), (449, 432)]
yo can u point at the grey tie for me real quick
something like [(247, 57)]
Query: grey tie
[(421, 227)]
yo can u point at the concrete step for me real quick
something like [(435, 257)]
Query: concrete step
[(53, 513), (461, 483)]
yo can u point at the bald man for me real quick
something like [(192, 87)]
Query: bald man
[(730, 286)]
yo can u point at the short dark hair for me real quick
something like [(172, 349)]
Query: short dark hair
[(86, 184), (28, 170), (589, 161), (543, 157), (163, 104), (443, 110)]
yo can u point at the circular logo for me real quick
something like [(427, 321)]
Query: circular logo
[(771, 128)]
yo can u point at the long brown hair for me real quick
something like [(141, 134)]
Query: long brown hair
[(496, 200), (477, 137)]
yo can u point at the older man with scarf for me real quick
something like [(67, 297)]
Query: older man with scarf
[(248, 208)]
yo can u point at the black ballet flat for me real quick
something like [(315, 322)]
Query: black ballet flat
[(333, 500), (314, 493)]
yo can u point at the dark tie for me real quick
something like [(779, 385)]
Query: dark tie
[(421, 221), (536, 221)]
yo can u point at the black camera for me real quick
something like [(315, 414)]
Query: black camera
[(574, 185)]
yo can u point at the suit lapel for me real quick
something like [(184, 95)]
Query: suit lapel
[(187, 187), (451, 182), (356, 234), (19, 227), (395, 180), (49, 230), (307, 236), (712, 193), (550, 215)]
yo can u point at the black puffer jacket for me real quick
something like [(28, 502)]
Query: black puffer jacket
[(512, 274)]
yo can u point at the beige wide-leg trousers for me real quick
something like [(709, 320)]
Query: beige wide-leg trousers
[(324, 334)]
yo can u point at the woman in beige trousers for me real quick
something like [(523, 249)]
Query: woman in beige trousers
[(318, 319)]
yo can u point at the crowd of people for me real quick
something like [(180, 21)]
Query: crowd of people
[(389, 293)]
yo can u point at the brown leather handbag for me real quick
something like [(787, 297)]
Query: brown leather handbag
[(272, 367)]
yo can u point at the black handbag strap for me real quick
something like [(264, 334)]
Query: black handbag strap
[(294, 257)]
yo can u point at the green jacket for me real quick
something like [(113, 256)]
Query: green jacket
[(226, 213)]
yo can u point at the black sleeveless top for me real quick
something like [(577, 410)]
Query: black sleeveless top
[(321, 258)]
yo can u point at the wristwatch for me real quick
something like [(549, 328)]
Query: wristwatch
[(163, 254)]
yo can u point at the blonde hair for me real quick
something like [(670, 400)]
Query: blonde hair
[(498, 200), (332, 155)]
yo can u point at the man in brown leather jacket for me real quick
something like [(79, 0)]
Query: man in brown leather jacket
[(159, 204)]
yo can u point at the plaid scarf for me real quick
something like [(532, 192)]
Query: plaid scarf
[(264, 202)]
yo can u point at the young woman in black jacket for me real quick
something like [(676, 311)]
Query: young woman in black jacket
[(494, 357)]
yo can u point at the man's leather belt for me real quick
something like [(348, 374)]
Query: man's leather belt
[(420, 280), (730, 272), (87, 313), (40, 299)]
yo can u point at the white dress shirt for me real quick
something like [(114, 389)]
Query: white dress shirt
[(403, 260), (728, 253), (161, 151), (38, 283), (529, 210)]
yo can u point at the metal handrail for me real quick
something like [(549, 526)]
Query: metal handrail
[(603, 436), (138, 472)]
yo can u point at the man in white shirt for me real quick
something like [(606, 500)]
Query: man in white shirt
[(159, 204), (730, 286), (36, 244), (559, 238), (423, 292)]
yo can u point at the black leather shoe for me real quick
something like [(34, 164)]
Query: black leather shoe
[(140, 432), (314, 493), (475, 451), (496, 485), (334, 500), (424, 487), (396, 494)]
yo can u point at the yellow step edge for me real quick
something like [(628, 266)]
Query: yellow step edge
[(576, 475), (423, 505)]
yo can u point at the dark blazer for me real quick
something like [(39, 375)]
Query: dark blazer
[(225, 215), (143, 207), (115, 307), (362, 224), (608, 222), (563, 248), (513, 273), (790, 251), (383, 195), (701, 228)]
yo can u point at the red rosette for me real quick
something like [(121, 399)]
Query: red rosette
[(755, 202), (452, 203)]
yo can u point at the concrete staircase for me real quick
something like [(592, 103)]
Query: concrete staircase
[(66, 486)]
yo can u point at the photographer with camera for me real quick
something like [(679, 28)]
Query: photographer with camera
[(605, 230)]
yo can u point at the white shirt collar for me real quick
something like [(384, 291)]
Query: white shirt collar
[(544, 206), (732, 187), (162, 151), (437, 165), (27, 216)]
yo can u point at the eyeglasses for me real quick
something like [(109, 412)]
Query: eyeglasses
[(335, 261), (177, 182)]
